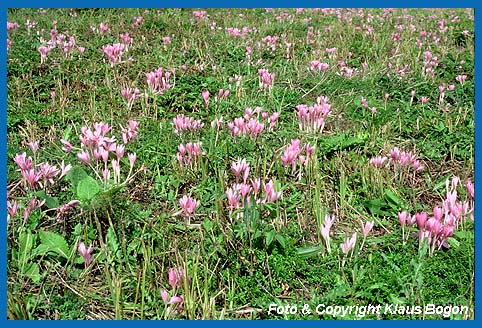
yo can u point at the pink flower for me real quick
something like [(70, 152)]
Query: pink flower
[(85, 252), (188, 205), (84, 156), (402, 217), (378, 161), (132, 159), (240, 168), (349, 244), (175, 277), (44, 51), (325, 230), (12, 209), (421, 218), (271, 195), (205, 95), (367, 227), (470, 188)]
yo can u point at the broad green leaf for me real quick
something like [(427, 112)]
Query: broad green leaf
[(393, 199), (87, 188), (51, 242), (33, 272), (75, 175), (281, 240), (269, 237)]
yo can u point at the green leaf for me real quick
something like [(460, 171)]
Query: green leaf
[(393, 199), (310, 251), (112, 242), (75, 175), (51, 242), (87, 188), (33, 272), (66, 134), (453, 242), (26, 242), (269, 237), (281, 240)]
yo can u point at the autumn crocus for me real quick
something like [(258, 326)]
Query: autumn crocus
[(205, 96), (188, 205), (325, 230), (349, 244), (366, 228), (12, 208), (86, 253), (402, 217)]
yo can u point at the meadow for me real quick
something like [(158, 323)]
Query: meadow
[(240, 164)]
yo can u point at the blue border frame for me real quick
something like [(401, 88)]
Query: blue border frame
[(224, 4)]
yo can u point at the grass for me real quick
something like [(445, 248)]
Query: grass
[(236, 257)]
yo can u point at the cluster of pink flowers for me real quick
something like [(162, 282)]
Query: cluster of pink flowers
[(249, 125), (445, 219), (114, 52), (12, 26), (398, 158), (58, 40), (137, 21), (461, 79), (266, 78), (12, 208), (311, 119), (43, 176), (347, 71), (316, 65), (200, 14), (270, 42), (293, 154), (126, 39), (95, 144), (189, 155), (236, 32), (240, 192), (183, 123), (159, 80)]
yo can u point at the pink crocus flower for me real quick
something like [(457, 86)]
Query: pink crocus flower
[(44, 51), (271, 195), (86, 253), (33, 146), (132, 158), (325, 230), (205, 95), (188, 205), (175, 276), (349, 244), (84, 156), (12, 208), (470, 188), (367, 227), (378, 161)]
